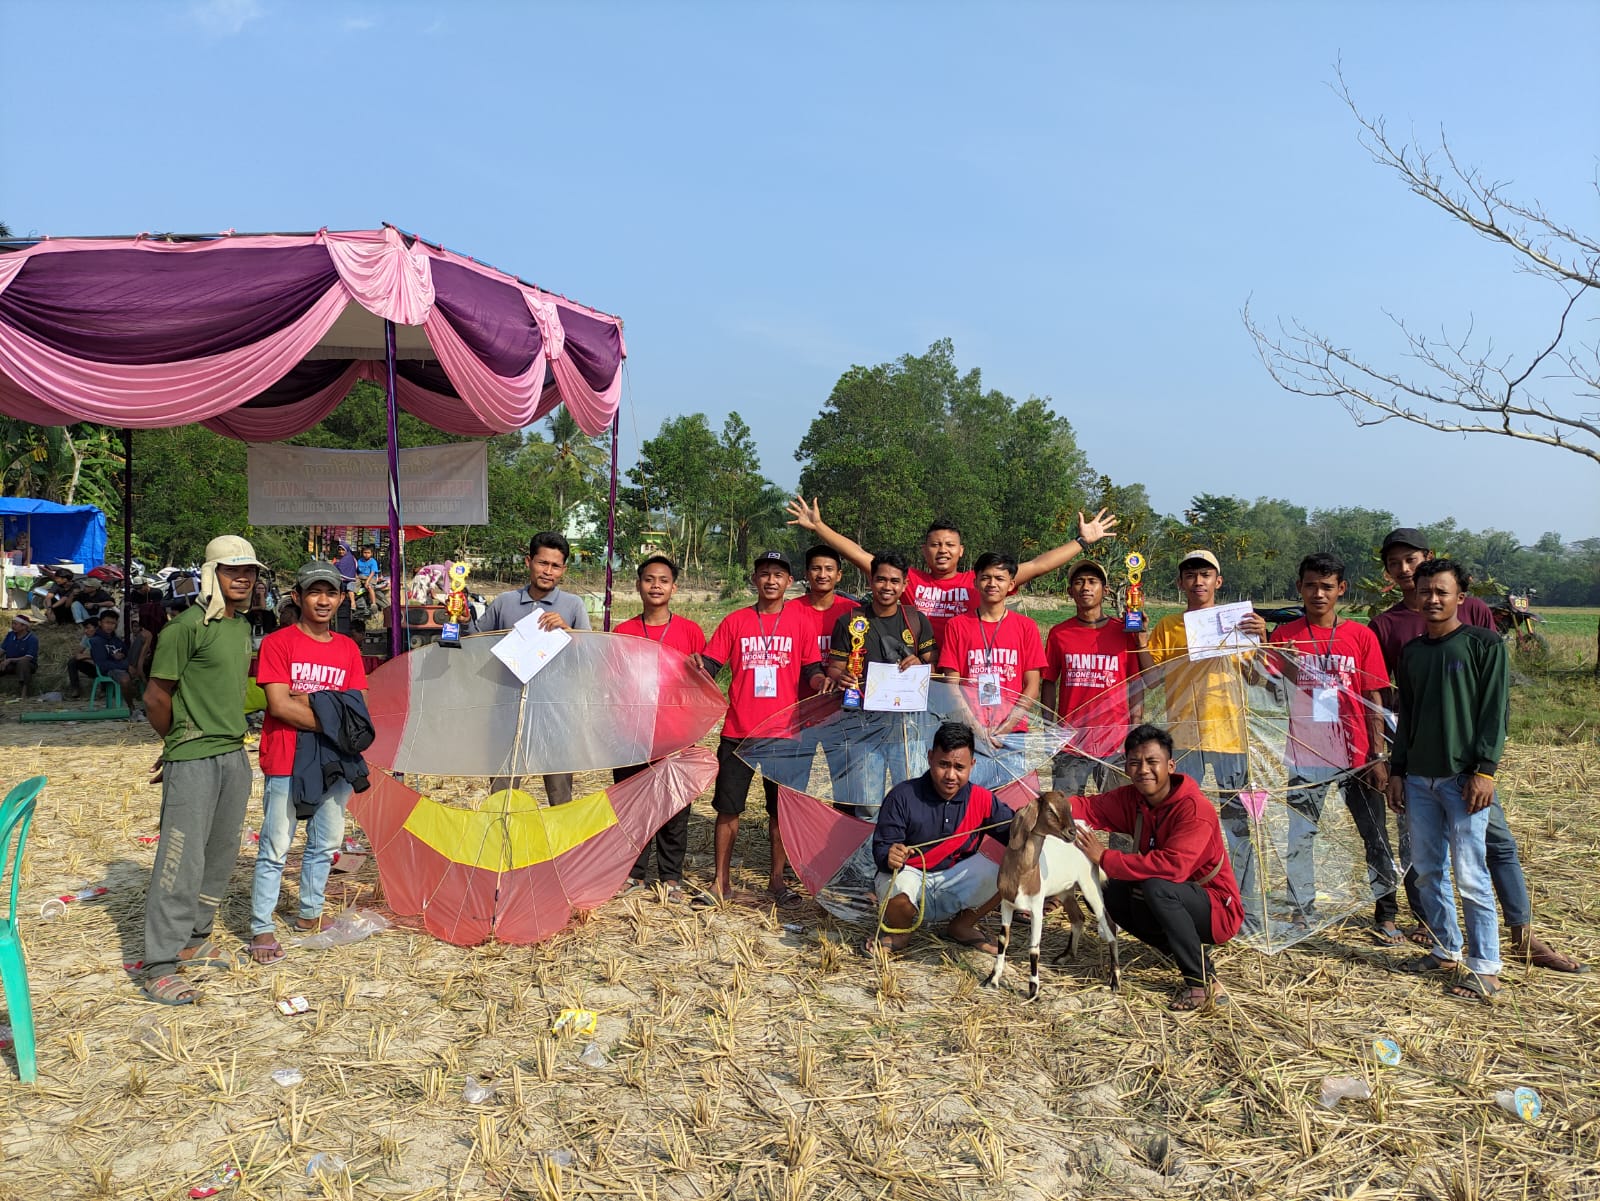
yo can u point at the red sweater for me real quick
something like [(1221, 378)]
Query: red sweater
[(1182, 842)]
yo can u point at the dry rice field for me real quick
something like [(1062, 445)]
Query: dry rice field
[(741, 1054)]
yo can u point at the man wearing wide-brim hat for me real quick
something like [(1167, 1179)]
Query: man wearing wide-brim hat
[(195, 701)]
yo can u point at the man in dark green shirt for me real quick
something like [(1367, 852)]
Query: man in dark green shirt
[(1454, 684), (195, 701)]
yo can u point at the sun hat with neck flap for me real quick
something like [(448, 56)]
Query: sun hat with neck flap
[(229, 550)]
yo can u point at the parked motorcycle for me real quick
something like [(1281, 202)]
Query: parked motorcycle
[(1518, 625)]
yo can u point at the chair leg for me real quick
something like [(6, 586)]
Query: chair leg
[(14, 977)]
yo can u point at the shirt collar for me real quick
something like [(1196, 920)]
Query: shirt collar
[(931, 794)]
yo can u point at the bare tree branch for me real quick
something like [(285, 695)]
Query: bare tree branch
[(1462, 388)]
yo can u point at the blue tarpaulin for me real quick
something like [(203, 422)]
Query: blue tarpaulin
[(57, 533)]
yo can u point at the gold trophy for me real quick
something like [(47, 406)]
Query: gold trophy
[(1133, 617), (857, 661), (456, 606)]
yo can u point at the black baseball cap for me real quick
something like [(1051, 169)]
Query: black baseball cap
[(1404, 536), (773, 556)]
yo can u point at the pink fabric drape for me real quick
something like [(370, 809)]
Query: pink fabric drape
[(384, 276), (285, 421)]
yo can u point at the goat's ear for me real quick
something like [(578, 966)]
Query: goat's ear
[(1022, 825)]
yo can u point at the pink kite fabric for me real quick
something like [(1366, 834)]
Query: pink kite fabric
[(818, 837), (148, 333)]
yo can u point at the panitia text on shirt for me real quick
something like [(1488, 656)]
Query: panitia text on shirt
[(766, 648), (315, 677), (940, 601)]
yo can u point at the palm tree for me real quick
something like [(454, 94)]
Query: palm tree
[(571, 462)]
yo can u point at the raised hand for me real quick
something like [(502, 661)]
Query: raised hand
[(1092, 530), (806, 516)]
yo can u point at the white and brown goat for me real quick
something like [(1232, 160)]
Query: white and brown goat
[(1043, 861)]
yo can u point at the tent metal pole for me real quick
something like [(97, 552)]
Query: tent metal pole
[(397, 569), (611, 515), (127, 530)]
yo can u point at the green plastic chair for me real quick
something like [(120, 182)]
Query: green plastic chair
[(113, 691), (16, 815)]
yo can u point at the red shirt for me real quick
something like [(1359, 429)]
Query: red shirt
[(1398, 625), (940, 600), (1336, 666), (1009, 648), (680, 633), (822, 620), (1182, 842), (747, 640), (291, 656), (1090, 666)]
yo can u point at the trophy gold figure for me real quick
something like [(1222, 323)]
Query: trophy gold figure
[(857, 662), (455, 606), (1133, 617)]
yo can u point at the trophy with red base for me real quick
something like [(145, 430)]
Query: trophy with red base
[(857, 662), (1133, 617), (456, 606)]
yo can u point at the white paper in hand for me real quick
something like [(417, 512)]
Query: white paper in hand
[(526, 648), (890, 690), (1214, 632)]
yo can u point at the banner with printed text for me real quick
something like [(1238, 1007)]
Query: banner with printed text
[(302, 485)]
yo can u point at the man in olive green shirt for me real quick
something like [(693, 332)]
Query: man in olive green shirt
[(195, 701)]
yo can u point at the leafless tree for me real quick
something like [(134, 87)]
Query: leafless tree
[(1549, 395)]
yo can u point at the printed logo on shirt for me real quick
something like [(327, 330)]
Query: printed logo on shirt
[(315, 677), (1090, 670), (773, 649), (979, 659), (937, 601)]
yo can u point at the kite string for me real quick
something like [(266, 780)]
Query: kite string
[(922, 893)]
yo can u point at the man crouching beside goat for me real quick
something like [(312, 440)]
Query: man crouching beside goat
[(1175, 890)]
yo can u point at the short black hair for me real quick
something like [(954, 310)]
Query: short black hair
[(1321, 563), (661, 559), (821, 551), (940, 524), (889, 558), (550, 540), (1435, 567), (952, 736), (995, 558), (1140, 735)]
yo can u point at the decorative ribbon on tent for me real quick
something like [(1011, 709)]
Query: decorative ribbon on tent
[(260, 337)]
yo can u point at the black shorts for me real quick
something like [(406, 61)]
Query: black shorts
[(734, 777)]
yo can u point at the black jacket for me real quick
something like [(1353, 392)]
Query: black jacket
[(332, 752)]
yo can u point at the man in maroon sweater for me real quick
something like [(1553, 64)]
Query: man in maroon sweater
[(1175, 890), (1403, 551)]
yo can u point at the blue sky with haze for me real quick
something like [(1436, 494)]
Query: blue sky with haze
[(1082, 197)]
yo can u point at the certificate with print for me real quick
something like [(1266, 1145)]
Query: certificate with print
[(526, 648), (890, 690), (1215, 632)]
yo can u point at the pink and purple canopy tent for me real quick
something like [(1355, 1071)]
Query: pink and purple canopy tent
[(260, 336)]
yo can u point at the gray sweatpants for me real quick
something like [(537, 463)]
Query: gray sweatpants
[(203, 804)]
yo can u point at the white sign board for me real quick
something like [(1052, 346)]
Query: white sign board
[(304, 485)]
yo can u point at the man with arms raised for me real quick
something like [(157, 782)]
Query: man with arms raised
[(999, 652), (926, 847), (767, 649), (887, 631), (1404, 551), (1175, 890), (1455, 685), (1206, 714), (195, 701), (295, 662), (547, 563), (1089, 664), (938, 588), (658, 582)]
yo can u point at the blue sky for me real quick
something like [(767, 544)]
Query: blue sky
[(1082, 197)]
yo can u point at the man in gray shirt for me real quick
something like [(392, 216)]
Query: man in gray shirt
[(547, 563)]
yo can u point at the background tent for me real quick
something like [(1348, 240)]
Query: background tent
[(260, 336), (57, 533)]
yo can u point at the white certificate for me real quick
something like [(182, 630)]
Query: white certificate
[(890, 690), (1215, 632), (526, 648)]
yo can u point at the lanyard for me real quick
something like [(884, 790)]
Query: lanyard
[(1326, 650), (988, 646), (665, 626), (777, 620)]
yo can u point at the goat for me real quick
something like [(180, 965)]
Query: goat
[(1042, 861)]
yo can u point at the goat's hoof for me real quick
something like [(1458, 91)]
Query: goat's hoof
[(1033, 992)]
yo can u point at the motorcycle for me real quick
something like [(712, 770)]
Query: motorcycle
[(1518, 623)]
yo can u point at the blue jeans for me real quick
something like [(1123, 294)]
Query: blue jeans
[(1443, 832), (324, 835), (999, 765), (1505, 869)]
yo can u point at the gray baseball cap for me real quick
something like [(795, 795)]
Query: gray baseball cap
[(318, 572)]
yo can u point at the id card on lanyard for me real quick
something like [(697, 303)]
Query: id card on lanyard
[(989, 679), (766, 674), (1324, 699)]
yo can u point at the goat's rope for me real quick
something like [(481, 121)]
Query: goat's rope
[(922, 893)]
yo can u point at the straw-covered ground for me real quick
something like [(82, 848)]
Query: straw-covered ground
[(746, 1059)]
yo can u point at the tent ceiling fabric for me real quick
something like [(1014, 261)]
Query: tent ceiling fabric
[(261, 336)]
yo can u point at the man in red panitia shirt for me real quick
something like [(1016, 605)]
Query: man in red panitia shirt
[(1403, 551), (657, 583), (768, 649), (938, 588), (1336, 665), (1090, 665), (1175, 890), (822, 606), (296, 661), (1000, 655)]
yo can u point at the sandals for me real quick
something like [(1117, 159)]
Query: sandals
[(787, 899), (1469, 986), (265, 954), (977, 942), (873, 943), (1423, 965), (170, 990), (207, 957), (1388, 938), (1535, 952), (1187, 999)]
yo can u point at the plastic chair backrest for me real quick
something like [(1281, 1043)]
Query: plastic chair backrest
[(16, 814)]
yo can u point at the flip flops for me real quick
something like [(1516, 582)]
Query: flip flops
[(1388, 938), (274, 953), (1424, 965), (1469, 986), (787, 899)]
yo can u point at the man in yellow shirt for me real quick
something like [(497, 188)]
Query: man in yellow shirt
[(1205, 711)]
